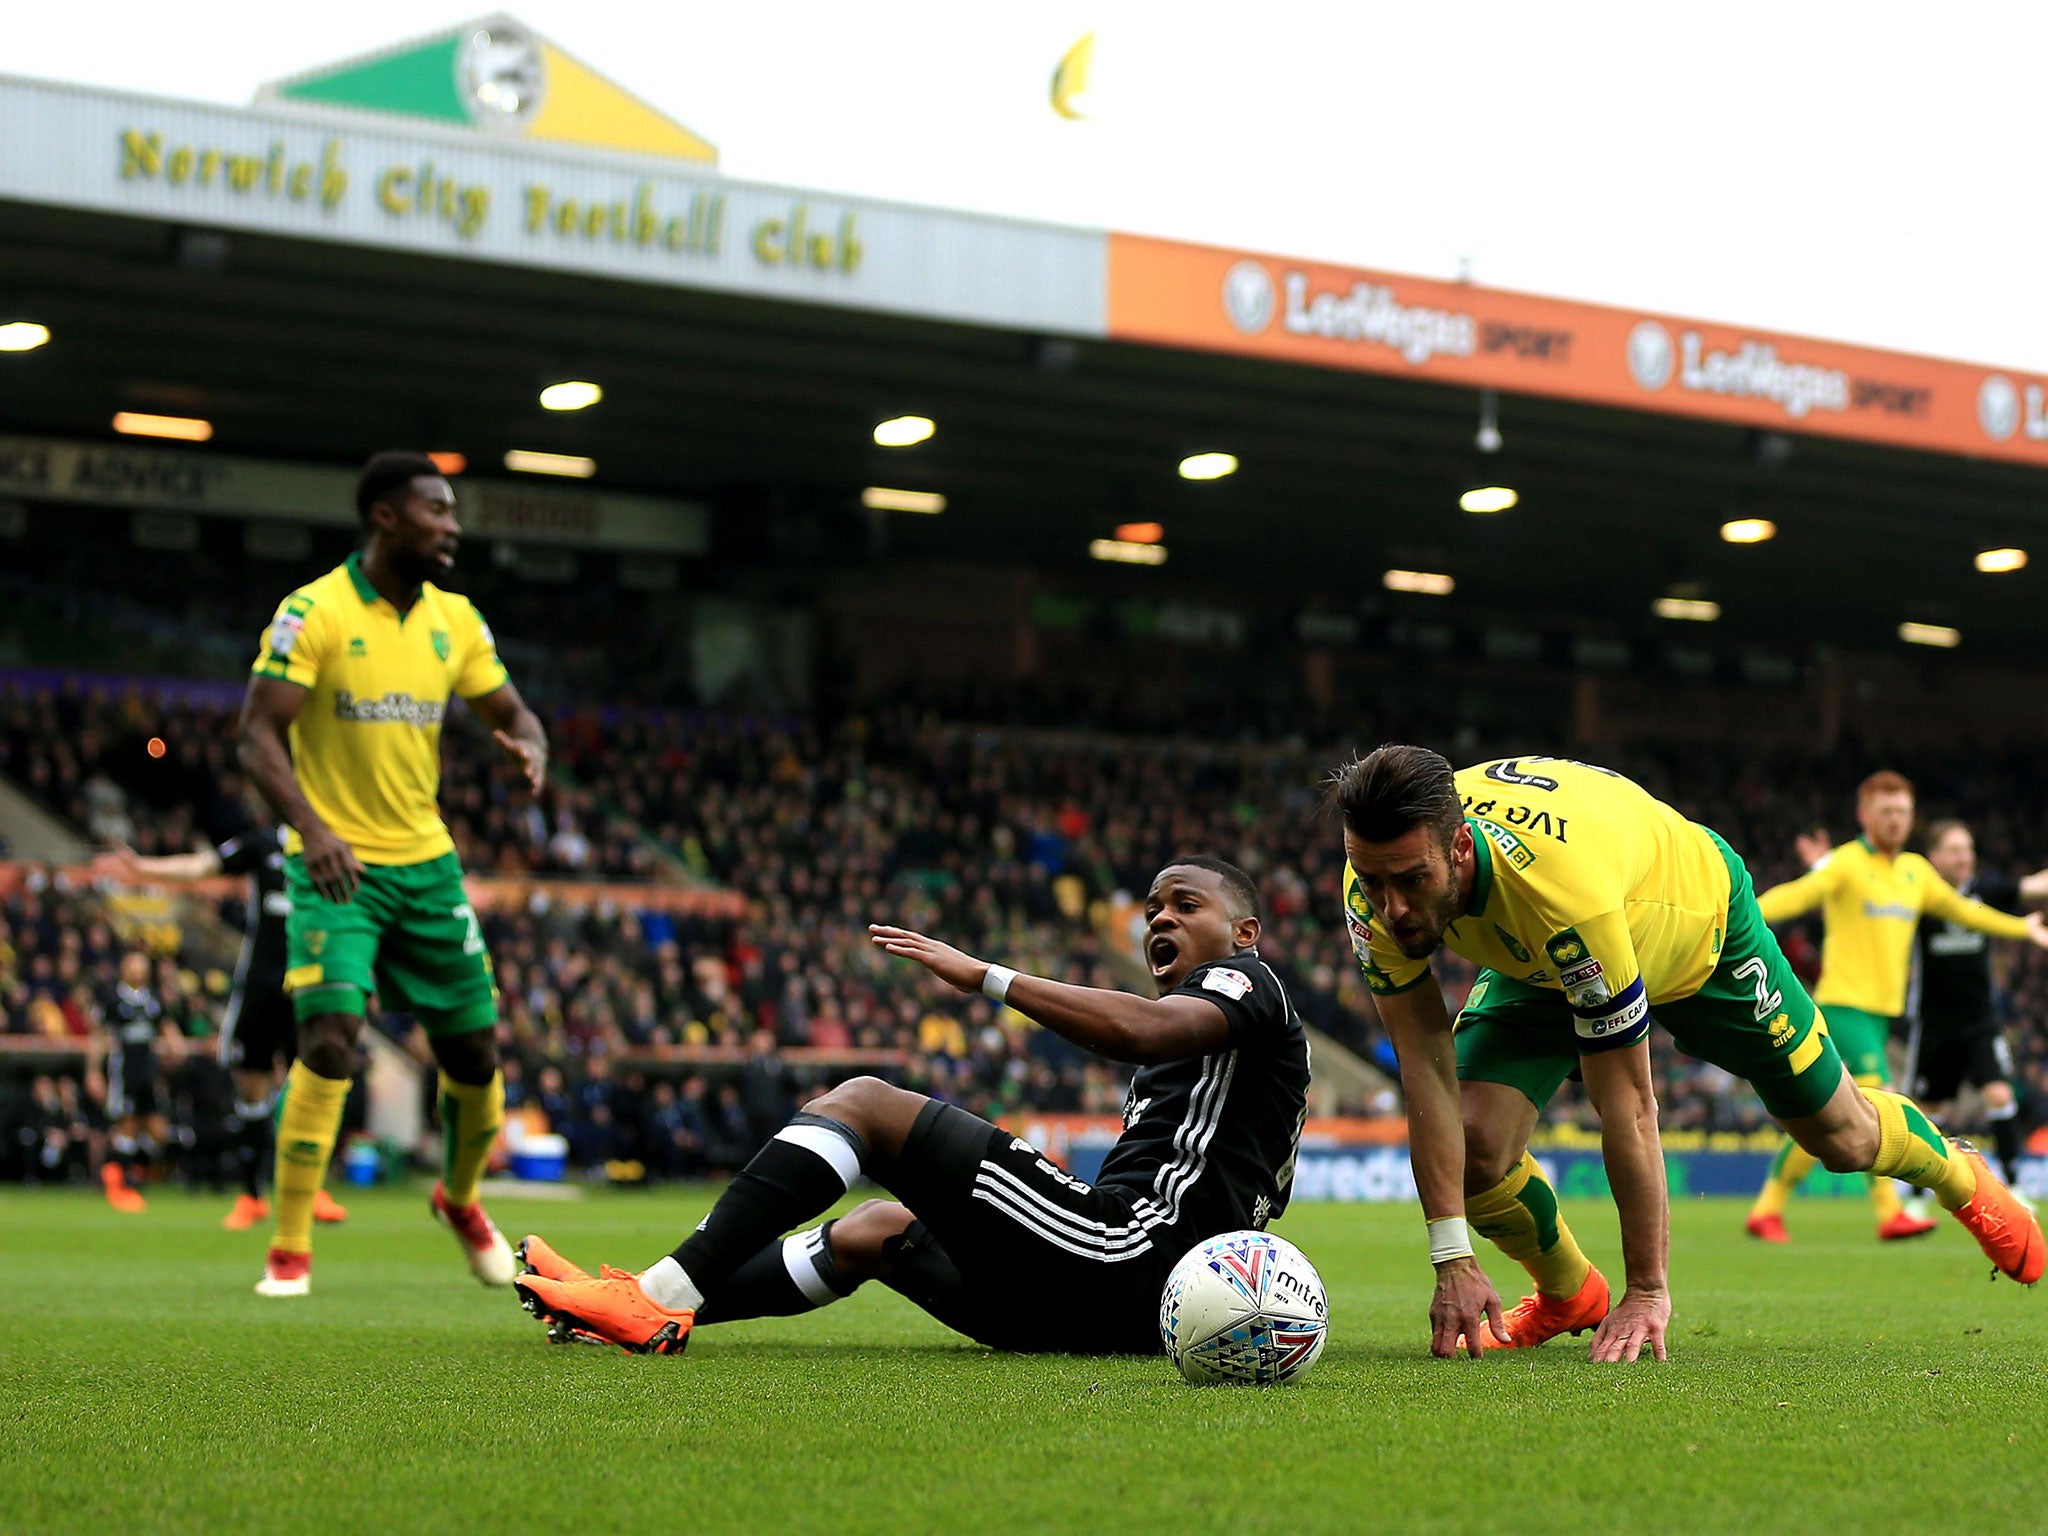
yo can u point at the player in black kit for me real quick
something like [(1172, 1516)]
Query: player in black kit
[(258, 1037), (1956, 1037), (134, 1019), (987, 1234)]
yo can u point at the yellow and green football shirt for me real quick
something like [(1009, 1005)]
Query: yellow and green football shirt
[(1587, 885), (366, 745), (1870, 905)]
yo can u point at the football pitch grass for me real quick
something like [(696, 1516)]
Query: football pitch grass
[(1830, 1384)]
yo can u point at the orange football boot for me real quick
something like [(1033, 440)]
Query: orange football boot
[(1535, 1319), (1905, 1224), (1770, 1228), (120, 1195), (540, 1259), (249, 1209), (610, 1307), (2003, 1227), (327, 1209)]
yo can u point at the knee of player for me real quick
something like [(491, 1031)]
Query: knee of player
[(1851, 1149), (327, 1044), (860, 1238), (1487, 1156), (853, 1102)]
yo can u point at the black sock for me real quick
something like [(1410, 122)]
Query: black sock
[(2005, 1137), (794, 1275), (922, 1272), (254, 1128), (811, 1162)]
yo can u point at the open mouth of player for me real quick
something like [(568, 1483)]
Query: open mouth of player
[(1161, 950), (445, 554)]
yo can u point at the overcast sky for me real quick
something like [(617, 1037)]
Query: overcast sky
[(1866, 172)]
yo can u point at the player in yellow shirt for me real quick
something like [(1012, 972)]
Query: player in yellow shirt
[(1872, 895), (1588, 904), (341, 731)]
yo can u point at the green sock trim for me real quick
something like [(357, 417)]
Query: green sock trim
[(1922, 1127), (1540, 1201), (451, 1120)]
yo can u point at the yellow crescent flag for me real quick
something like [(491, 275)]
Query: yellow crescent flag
[(1070, 79)]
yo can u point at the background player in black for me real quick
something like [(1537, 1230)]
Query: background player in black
[(258, 1036), (987, 1234), (1955, 1036), (133, 1018)]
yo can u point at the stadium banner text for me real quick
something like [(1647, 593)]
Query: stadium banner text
[(115, 475), (1165, 293), (1359, 1160), (325, 174)]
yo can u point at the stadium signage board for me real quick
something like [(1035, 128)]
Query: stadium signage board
[(353, 178), (45, 469), (1169, 294)]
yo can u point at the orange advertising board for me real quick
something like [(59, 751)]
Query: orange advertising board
[(1169, 294)]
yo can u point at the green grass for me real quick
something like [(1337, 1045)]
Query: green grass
[(143, 1387)]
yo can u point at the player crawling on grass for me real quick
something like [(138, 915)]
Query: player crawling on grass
[(986, 1233), (1588, 903)]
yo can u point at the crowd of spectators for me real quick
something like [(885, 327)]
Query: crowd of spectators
[(1024, 844)]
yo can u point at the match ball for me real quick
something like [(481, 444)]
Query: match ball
[(1244, 1307)]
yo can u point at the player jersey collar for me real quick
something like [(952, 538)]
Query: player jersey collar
[(354, 566), (1482, 873)]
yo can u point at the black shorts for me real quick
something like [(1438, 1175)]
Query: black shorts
[(258, 1031), (132, 1086), (1047, 1263), (1976, 1056)]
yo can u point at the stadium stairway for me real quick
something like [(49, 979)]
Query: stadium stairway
[(29, 832)]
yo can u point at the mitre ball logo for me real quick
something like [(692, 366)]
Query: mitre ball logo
[(1249, 297)]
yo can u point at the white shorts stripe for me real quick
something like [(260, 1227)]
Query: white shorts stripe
[(1039, 1228), (1085, 1229)]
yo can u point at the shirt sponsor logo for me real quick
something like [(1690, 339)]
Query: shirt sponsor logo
[(393, 708), (1579, 975), (285, 630), (1891, 909), (1232, 984)]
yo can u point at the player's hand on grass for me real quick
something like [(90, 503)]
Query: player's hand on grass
[(942, 960), (1639, 1318), (532, 760), (330, 864), (1464, 1299), (2037, 930), (1812, 847)]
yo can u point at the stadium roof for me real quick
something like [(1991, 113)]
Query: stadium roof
[(754, 380)]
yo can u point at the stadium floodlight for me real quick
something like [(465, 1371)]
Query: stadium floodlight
[(22, 336), (1748, 530), (1141, 533), (1489, 498), (1125, 552), (1994, 562), (449, 462), (571, 395), (1429, 583), (572, 466), (1208, 466), (903, 431), (881, 498), (1930, 634), (186, 429), (1699, 610)]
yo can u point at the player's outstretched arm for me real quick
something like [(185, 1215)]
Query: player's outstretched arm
[(517, 731), (1119, 1025), (264, 750), (1420, 1027), (1944, 900), (1619, 1084), (121, 862), (2034, 889)]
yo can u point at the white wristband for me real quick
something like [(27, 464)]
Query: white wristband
[(996, 983), (1449, 1238)]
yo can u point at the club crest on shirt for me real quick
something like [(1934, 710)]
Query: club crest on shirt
[(441, 648), (1513, 944), (1234, 985)]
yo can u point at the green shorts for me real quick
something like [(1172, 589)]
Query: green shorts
[(1752, 1017), (1860, 1037), (409, 935)]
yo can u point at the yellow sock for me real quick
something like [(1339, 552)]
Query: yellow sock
[(306, 1127), (1788, 1171), (1519, 1216), (1910, 1148), (1884, 1199), (471, 1115)]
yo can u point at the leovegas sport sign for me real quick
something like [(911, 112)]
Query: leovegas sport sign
[(1170, 294)]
